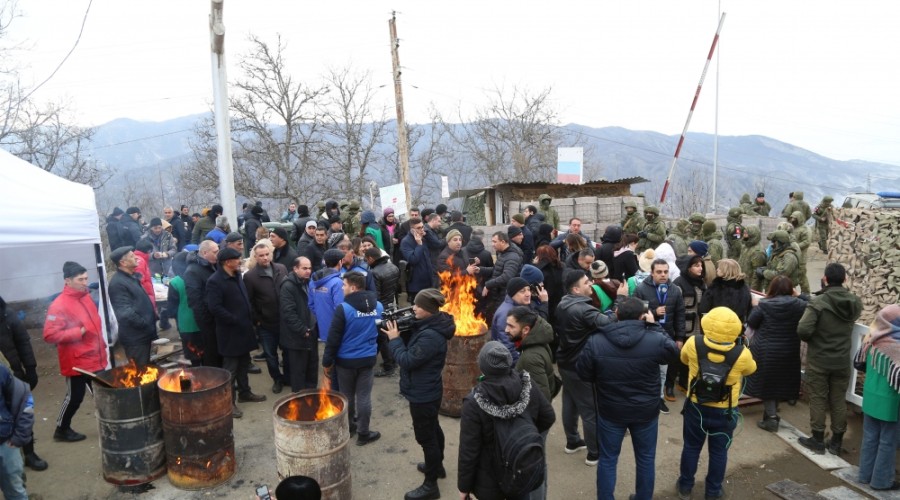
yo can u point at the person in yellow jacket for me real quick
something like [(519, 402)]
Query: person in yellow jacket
[(710, 417)]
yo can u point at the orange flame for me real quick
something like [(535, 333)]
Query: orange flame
[(326, 409), (172, 381), (131, 375), (459, 290), (321, 404)]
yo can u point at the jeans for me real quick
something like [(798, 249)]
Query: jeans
[(826, 393), (702, 423), (139, 353), (356, 384), (269, 341), (304, 373), (75, 389), (643, 440), (12, 471), (237, 365), (429, 435), (578, 401), (878, 453)]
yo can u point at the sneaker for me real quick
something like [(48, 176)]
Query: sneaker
[(277, 387), (575, 447), (369, 437), (683, 493), (34, 462), (442, 472), (670, 394), (254, 369), (592, 459), (249, 397), (385, 372), (259, 357), (663, 408), (68, 435), (236, 412)]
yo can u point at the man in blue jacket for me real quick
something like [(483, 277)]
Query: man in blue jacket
[(16, 422), (416, 248), (622, 361), (351, 349), (326, 291)]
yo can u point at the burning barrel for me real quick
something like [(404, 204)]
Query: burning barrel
[(461, 367), (131, 434), (312, 435), (197, 425)]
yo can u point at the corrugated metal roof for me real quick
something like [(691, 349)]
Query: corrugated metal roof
[(460, 193)]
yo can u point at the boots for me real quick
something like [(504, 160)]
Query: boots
[(769, 424), (834, 444), (428, 491), (816, 443)]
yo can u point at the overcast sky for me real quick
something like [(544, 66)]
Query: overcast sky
[(821, 75)]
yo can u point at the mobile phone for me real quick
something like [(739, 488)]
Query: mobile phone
[(472, 261), (646, 306), (263, 493)]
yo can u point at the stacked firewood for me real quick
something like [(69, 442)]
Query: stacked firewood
[(867, 243)]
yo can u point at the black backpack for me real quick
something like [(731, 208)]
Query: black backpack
[(519, 462), (710, 385)]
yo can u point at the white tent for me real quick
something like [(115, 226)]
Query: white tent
[(47, 220)]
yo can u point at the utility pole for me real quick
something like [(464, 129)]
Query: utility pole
[(402, 140), (220, 108)]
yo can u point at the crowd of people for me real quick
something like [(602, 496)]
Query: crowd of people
[(616, 327)]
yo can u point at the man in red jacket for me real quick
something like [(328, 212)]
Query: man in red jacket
[(73, 325)]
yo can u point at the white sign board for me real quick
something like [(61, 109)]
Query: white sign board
[(394, 197), (445, 187)]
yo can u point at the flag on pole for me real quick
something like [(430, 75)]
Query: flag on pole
[(570, 165)]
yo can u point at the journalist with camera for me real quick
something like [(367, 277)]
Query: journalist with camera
[(421, 360)]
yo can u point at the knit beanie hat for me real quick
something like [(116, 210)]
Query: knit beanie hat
[(513, 231), (531, 274), (451, 233), (599, 270), (281, 232), (699, 247), (367, 217), (72, 269), (515, 285), (133, 210), (494, 360), (387, 211), (519, 218), (430, 299), (117, 212), (334, 239)]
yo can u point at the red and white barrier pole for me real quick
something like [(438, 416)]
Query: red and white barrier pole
[(687, 123)]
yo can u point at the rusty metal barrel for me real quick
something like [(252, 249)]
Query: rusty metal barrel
[(197, 425), (131, 433), (460, 371), (315, 448)]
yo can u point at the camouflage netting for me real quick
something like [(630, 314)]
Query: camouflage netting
[(867, 243), (473, 208)]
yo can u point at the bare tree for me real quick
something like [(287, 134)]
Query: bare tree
[(515, 136)]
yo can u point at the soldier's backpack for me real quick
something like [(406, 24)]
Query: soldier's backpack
[(710, 385), (519, 465)]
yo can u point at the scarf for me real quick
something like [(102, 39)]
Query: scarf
[(883, 341)]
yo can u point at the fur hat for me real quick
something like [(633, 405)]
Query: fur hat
[(514, 285), (494, 360), (430, 299)]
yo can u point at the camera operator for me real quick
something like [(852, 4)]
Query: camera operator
[(422, 359)]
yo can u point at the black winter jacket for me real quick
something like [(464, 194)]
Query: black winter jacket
[(15, 344), (297, 321), (262, 291), (134, 311), (776, 347), (421, 360), (733, 294), (608, 241), (387, 278), (195, 278), (285, 256), (553, 282), (229, 304), (507, 267), (674, 319), (117, 235), (576, 319), (132, 231), (496, 397), (622, 361)]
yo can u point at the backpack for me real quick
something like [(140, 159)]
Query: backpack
[(710, 384), (519, 464)]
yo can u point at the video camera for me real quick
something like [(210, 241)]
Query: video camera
[(404, 318)]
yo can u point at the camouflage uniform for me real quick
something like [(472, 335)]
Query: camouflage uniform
[(695, 230), (549, 213), (713, 238), (351, 218), (746, 204), (797, 205), (783, 261), (633, 222), (802, 238), (761, 209), (823, 214), (678, 238), (752, 257), (320, 209), (734, 233), (654, 231)]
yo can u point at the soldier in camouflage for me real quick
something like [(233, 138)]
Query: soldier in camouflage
[(713, 238), (761, 207), (549, 213), (633, 222), (752, 257), (320, 209), (797, 204), (823, 214), (746, 205), (734, 233), (695, 230), (351, 218), (654, 231), (783, 261), (678, 237), (802, 238)]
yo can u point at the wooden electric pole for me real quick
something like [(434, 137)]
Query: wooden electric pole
[(220, 108), (402, 139)]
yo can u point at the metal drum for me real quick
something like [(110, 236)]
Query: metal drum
[(460, 371)]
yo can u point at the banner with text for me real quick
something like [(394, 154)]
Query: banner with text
[(570, 165), (394, 197)]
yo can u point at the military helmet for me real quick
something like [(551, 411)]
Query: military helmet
[(697, 218), (543, 197), (651, 210), (735, 212), (780, 236), (321, 206), (354, 206), (343, 205), (827, 199), (785, 226), (631, 204), (709, 227)]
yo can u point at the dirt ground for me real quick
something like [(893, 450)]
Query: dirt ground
[(386, 469)]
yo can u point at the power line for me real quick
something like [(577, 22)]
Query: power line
[(64, 59), (139, 139)]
